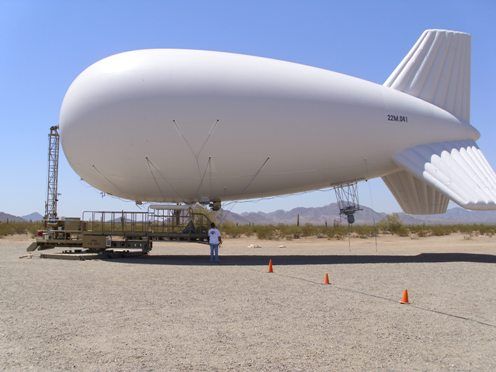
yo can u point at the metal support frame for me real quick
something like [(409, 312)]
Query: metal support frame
[(347, 199), (53, 174), (158, 223)]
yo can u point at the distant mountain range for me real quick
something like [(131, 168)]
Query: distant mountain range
[(328, 213), (367, 216), (35, 216)]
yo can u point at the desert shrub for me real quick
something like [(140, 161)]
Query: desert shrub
[(390, 225), (420, 230), (422, 233), (264, 232), (393, 225), (441, 230), (12, 228), (309, 230), (232, 230)]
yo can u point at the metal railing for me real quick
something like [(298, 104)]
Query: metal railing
[(153, 222)]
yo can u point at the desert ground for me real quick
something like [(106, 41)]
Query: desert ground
[(174, 311)]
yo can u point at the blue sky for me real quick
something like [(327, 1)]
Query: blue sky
[(46, 44)]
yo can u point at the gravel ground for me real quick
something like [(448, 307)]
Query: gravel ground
[(173, 310)]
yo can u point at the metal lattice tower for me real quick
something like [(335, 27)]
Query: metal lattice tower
[(53, 173)]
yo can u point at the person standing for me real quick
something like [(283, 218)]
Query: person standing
[(214, 239)]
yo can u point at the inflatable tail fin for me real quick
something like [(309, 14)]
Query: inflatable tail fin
[(414, 195), (457, 170), (437, 70)]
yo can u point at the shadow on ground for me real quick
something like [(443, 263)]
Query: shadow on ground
[(249, 260)]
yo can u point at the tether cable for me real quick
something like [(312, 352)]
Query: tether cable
[(106, 178), (150, 163), (344, 289), (256, 174)]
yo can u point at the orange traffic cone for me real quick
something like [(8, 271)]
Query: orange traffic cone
[(270, 266), (326, 279), (404, 297)]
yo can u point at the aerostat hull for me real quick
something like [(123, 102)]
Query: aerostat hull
[(169, 125)]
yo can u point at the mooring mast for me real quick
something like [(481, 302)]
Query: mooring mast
[(53, 173)]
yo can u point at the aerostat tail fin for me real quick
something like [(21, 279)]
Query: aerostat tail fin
[(437, 70), (434, 172), (414, 195)]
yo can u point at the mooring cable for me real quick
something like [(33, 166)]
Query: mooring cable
[(351, 290), (256, 174), (371, 202), (196, 154), (203, 176), (106, 178), (154, 178), (176, 125), (162, 177), (213, 127)]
